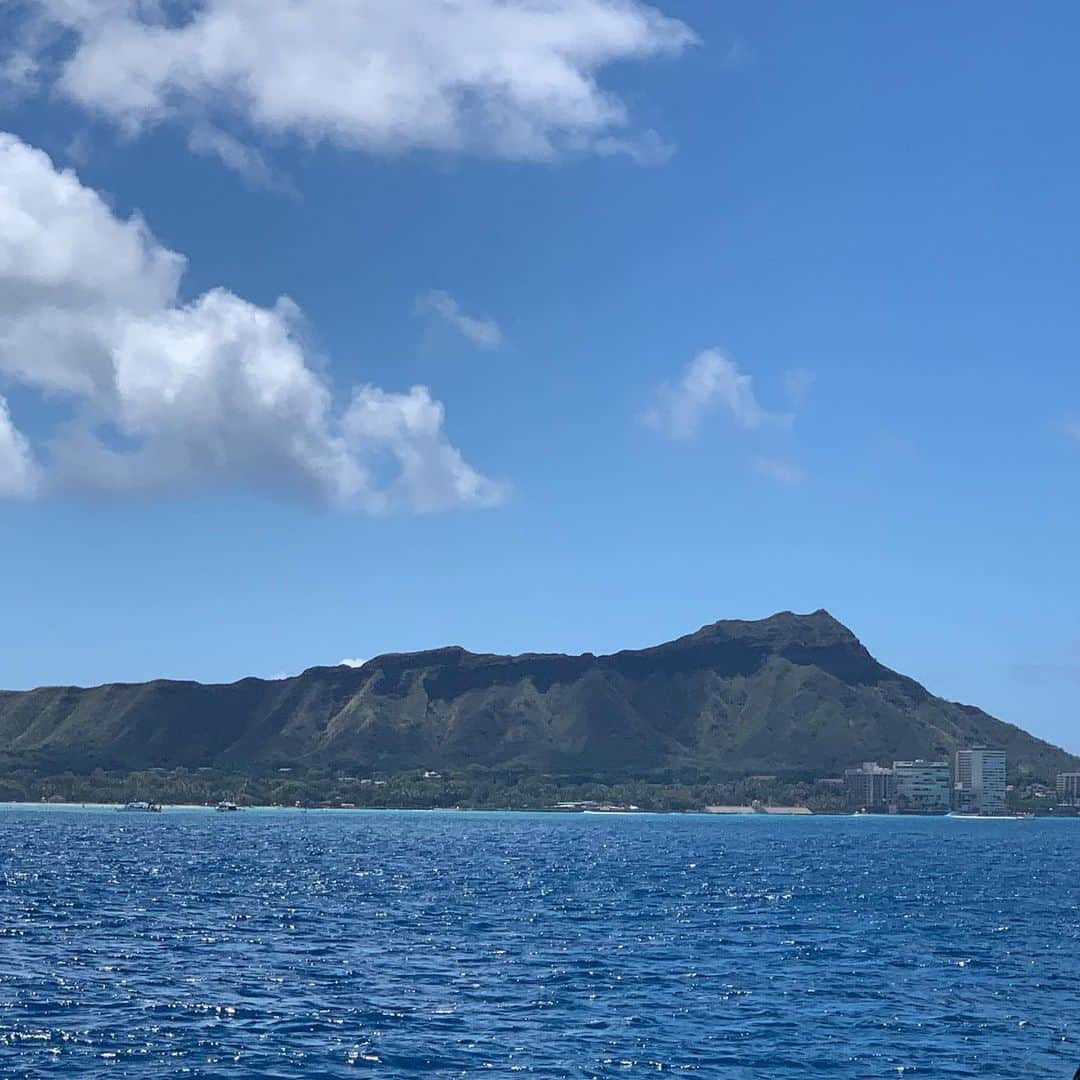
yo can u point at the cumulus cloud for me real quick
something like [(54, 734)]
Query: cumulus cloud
[(351, 662), (512, 78), (428, 472), (166, 394), (482, 332), (710, 382)]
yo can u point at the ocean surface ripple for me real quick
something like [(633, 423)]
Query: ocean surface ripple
[(328, 944)]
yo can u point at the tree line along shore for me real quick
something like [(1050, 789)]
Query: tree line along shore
[(474, 788)]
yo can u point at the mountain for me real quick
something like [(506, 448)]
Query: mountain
[(790, 695)]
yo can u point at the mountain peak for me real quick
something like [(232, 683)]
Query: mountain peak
[(793, 694), (817, 627)]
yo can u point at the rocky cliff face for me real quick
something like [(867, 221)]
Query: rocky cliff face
[(787, 694)]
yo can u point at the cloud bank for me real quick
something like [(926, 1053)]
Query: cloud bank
[(166, 395), (515, 79)]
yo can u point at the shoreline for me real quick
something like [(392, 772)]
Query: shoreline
[(69, 807)]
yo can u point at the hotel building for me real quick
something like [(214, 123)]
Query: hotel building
[(922, 787), (1068, 788), (980, 781), (869, 787)]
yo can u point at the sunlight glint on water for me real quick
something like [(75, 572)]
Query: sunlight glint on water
[(327, 944)]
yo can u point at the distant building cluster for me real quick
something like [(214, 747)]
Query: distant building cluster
[(975, 784)]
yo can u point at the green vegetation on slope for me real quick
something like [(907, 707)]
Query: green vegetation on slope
[(793, 695)]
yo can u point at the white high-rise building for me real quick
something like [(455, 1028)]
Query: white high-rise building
[(980, 781)]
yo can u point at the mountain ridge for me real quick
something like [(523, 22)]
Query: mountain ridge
[(791, 694)]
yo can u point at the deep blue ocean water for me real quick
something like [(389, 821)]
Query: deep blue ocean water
[(330, 944)]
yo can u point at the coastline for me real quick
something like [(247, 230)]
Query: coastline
[(728, 814)]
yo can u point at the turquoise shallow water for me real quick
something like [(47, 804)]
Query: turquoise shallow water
[(289, 944)]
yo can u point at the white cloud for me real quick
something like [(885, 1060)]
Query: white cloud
[(779, 470), (351, 662), (166, 395), (18, 69), (512, 78), (739, 55), (18, 471), (429, 473), (710, 382), (212, 142), (483, 333)]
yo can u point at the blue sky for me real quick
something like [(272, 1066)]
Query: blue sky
[(711, 310)]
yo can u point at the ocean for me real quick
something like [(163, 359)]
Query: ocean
[(336, 943)]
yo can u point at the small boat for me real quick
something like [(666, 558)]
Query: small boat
[(140, 807), (226, 807)]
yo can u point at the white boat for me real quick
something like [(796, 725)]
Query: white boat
[(140, 807), (226, 807)]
